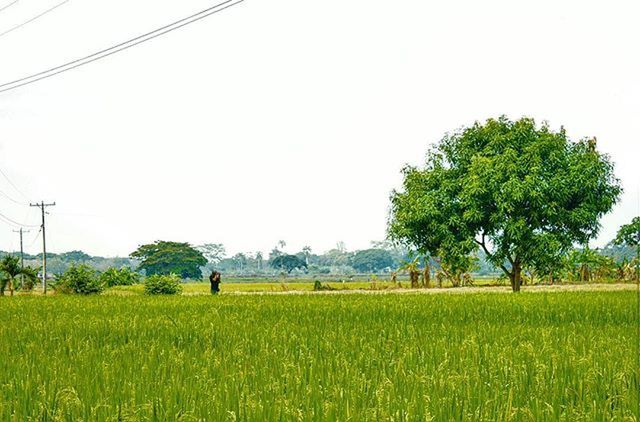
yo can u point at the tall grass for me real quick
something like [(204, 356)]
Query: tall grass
[(545, 356)]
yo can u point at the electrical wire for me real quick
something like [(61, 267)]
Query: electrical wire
[(10, 224), (12, 184), (7, 86), (2, 34), (12, 200), (4, 217), (8, 5), (35, 238)]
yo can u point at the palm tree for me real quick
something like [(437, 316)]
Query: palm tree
[(10, 271), (413, 268), (307, 252)]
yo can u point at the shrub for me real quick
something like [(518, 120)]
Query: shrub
[(80, 279), (318, 286), (162, 285), (119, 277)]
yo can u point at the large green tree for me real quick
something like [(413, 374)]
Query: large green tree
[(522, 192), (170, 258)]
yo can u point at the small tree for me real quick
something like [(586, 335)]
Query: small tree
[(162, 285), (119, 277), (413, 269), (11, 271), (79, 279)]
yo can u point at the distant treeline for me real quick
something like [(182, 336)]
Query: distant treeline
[(381, 258)]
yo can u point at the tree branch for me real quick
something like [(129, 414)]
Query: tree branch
[(490, 255)]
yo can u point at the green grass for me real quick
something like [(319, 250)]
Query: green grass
[(258, 287), (544, 356)]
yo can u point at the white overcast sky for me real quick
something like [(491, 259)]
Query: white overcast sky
[(289, 119)]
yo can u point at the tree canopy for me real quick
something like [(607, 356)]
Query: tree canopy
[(288, 263), (165, 258), (629, 234), (521, 192), (372, 260)]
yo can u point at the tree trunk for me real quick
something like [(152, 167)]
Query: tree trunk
[(516, 276), (415, 277), (427, 276)]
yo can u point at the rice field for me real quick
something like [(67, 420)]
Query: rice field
[(484, 356)]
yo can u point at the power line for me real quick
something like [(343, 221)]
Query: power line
[(11, 199), (8, 5), (8, 221), (13, 185), (35, 238), (15, 222), (33, 18), (118, 47)]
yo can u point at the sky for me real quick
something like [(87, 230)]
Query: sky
[(288, 119)]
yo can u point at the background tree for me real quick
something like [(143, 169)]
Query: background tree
[(629, 236), (524, 194), (288, 263), (587, 265), (213, 252), (75, 256), (11, 271), (166, 258), (240, 260), (412, 267), (119, 277), (372, 260), (306, 251)]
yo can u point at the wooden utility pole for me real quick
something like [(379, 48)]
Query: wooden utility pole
[(42, 206), (21, 255)]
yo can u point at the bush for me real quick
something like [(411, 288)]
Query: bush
[(162, 285), (119, 277), (80, 279), (318, 286)]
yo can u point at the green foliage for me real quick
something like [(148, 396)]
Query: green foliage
[(288, 263), (119, 277), (74, 256), (166, 258), (168, 284), (567, 356), (587, 265), (524, 194), (79, 279), (629, 234), (12, 274), (319, 287), (372, 260)]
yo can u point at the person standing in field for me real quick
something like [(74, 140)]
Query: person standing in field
[(214, 278)]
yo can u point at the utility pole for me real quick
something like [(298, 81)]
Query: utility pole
[(21, 255), (42, 206)]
